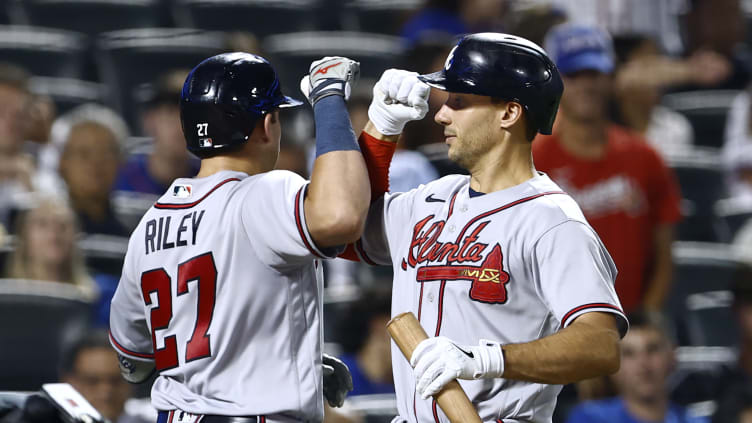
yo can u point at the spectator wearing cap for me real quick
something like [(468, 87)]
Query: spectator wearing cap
[(168, 159), (647, 360), (626, 192)]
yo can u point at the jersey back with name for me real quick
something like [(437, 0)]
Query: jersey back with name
[(221, 287)]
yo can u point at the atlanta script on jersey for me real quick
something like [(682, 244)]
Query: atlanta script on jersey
[(221, 287), (509, 266)]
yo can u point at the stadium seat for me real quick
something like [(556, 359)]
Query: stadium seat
[(43, 51), (130, 58), (379, 16), (701, 181), (67, 93), (706, 111), (104, 253), (92, 16), (53, 315), (735, 213), (293, 53), (700, 299), (260, 17)]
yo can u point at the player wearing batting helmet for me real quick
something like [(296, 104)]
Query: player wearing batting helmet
[(221, 287), (500, 267)]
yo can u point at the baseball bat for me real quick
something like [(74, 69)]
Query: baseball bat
[(407, 334)]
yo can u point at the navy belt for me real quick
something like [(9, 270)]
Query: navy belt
[(172, 416)]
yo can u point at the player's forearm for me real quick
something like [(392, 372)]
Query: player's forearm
[(659, 283), (587, 348), (338, 198)]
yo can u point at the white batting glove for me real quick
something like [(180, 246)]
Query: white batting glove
[(331, 75), (398, 98), (438, 361)]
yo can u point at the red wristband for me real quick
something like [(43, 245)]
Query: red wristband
[(378, 156)]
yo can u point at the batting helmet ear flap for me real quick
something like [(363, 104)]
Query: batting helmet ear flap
[(223, 98), (506, 67)]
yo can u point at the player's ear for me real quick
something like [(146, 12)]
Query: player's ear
[(271, 125), (511, 112)]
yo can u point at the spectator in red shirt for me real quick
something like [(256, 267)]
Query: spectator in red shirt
[(626, 192)]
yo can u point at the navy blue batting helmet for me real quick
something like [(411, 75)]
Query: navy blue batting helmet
[(507, 67), (224, 96)]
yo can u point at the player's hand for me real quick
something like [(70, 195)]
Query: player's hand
[(398, 98), (438, 361), (331, 75), (337, 380)]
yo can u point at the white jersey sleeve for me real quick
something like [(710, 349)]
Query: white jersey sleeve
[(388, 213), (274, 219), (129, 330), (575, 274)]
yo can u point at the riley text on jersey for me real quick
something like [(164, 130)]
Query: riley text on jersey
[(157, 234)]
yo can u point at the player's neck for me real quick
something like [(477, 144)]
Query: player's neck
[(216, 164), (507, 165), (584, 140)]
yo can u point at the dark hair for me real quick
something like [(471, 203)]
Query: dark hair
[(90, 340), (14, 76), (741, 285), (737, 401), (353, 328), (626, 44), (643, 319)]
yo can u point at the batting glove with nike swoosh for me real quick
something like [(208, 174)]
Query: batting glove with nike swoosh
[(438, 361), (398, 98), (331, 75)]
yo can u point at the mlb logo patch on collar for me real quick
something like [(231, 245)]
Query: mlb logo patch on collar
[(182, 191)]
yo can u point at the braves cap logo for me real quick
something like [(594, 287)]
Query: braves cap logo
[(450, 58)]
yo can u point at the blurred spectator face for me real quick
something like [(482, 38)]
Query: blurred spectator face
[(90, 160), (647, 359), (14, 107), (162, 123), (584, 56), (48, 235), (97, 377), (586, 95)]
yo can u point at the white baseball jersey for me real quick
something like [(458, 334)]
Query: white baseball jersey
[(510, 266), (221, 286)]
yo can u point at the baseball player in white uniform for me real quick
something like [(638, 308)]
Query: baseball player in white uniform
[(221, 290), (500, 267)]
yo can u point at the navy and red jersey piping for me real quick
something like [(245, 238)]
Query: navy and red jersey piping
[(126, 351), (570, 313), (176, 206), (299, 224)]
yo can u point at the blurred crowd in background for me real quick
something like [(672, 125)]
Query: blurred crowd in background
[(653, 139)]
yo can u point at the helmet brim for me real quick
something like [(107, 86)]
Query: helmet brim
[(436, 79), (289, 102)]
